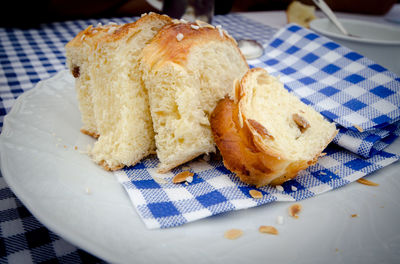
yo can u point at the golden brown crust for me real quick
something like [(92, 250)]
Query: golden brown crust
[(114, 32), (242, 141), (242, 155), (167, 47)]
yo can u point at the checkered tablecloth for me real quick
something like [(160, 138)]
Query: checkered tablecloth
[(26, 57)]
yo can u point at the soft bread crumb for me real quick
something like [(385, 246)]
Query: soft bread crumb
[(233, 234), (294, 210), (184, 88), (268, 230)]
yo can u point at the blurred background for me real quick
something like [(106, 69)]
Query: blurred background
[(29, 14)]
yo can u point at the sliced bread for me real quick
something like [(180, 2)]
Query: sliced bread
[(187, 68), (113, 100), (265, 134)]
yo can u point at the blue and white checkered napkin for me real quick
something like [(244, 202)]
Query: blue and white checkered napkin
[(343, 85)]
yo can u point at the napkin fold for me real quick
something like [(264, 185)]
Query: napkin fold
[(362, 97), (347, 88)]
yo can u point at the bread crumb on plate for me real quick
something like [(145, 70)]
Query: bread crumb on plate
[(268, 230), (294, 210), (367, 182), (279, 220), (233, 234)]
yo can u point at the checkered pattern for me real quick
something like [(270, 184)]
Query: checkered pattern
[(343, 85), (26, 57), (241, 27), (24, 240), (367, 143), (339, 83), (215, 190)]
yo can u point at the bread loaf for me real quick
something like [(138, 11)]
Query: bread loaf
[(112, 98), (187, 68), (265, 134), (79, 53)]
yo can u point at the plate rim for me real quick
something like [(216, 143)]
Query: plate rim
[(316, 26), (192, 228), (77, 241)]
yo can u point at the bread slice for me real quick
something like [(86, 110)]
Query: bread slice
[(300, 13), (79, 53), (265, 134), (187, 68), (110, 89)]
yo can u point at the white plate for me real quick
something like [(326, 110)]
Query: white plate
[(51, 180), (379, 42)]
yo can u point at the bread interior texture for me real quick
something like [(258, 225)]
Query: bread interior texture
[(79, 53), (183, 94), (297, 132), (120, 101)]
